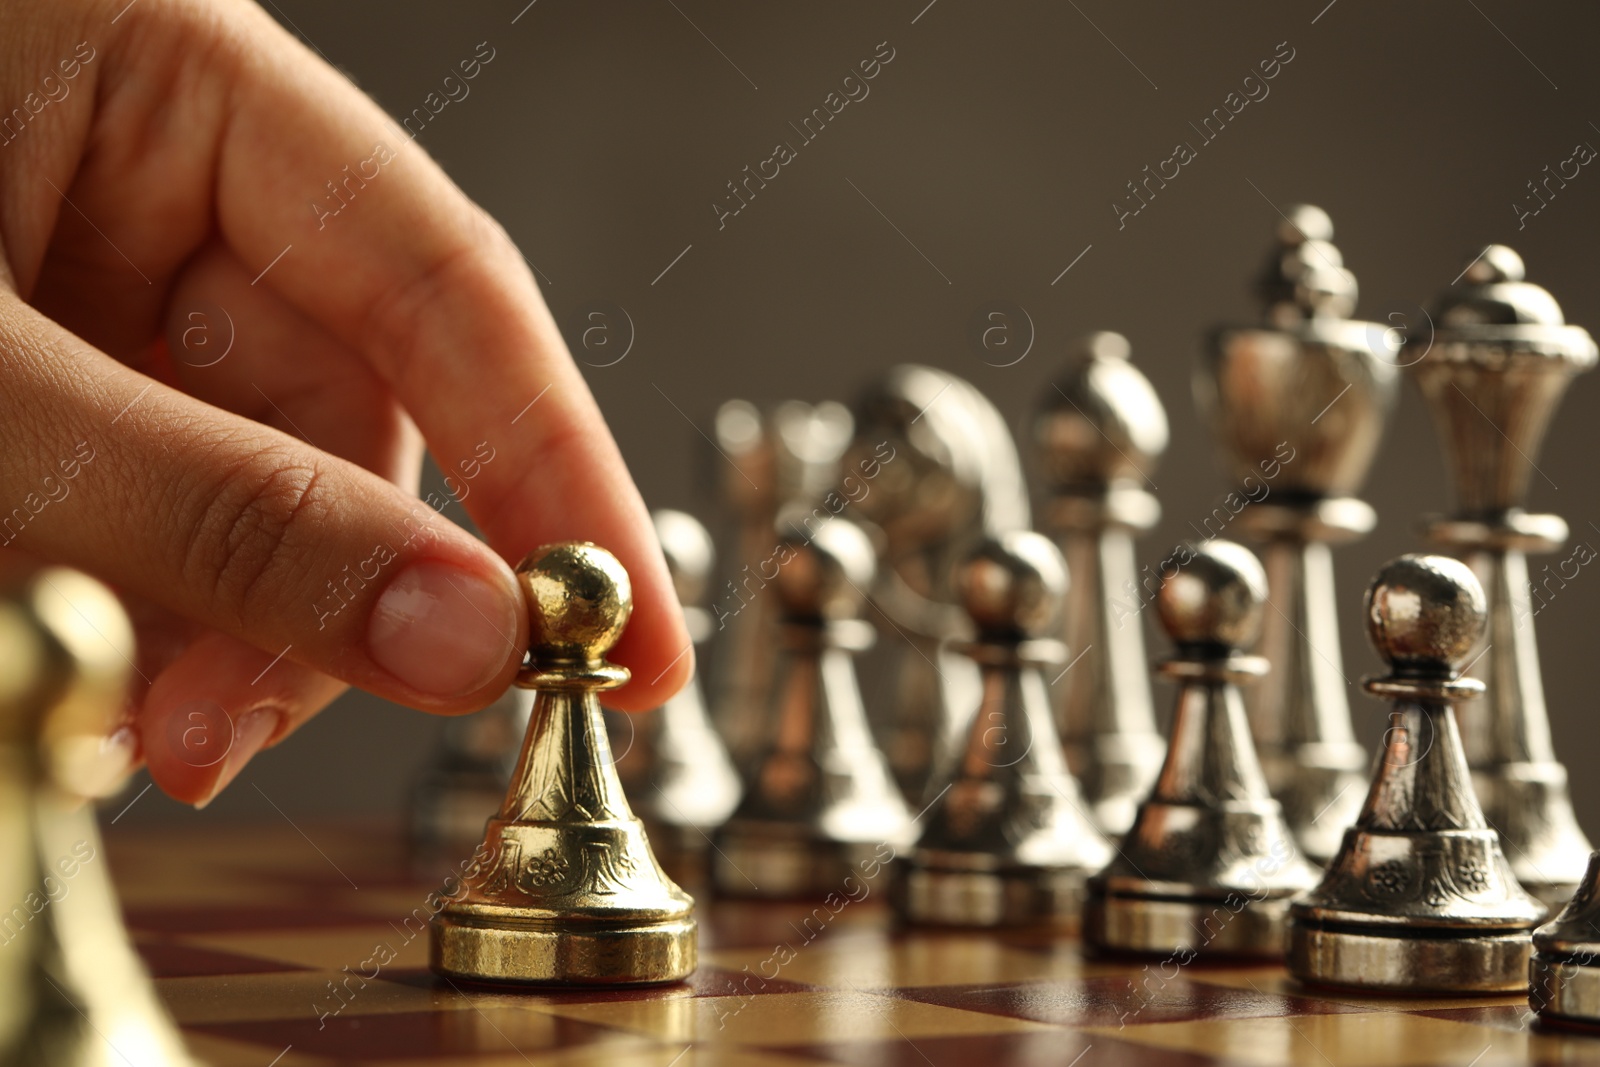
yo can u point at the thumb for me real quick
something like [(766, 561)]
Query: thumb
[(246, 529)]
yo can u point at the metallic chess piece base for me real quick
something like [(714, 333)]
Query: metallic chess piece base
[(1233, 926), (1565, 991), (563, 952), (563, 905), (931, 892), (1404, 960), (774, 861)]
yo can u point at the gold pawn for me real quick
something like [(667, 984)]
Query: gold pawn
[(565, 889)]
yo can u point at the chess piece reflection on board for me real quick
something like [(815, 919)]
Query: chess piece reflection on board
[(672, 764), (1098, 434), (74, 991), (1299, 404), (1499, 360), (1006, 840), (568, 891), (1420, 897), (1209, 864)]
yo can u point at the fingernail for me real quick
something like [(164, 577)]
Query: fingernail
[(250, 734), (441, 630)]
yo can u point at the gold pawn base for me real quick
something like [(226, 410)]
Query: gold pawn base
[(550, 953)]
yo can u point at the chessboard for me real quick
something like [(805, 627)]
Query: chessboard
[(284, 945)]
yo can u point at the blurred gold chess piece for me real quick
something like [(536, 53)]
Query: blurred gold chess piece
[(567, 891), (72, 991)]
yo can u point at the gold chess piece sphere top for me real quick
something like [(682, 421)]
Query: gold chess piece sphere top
[(825, 574), (1011, 586), (1215, 597), (1425, 613), (579, 599)]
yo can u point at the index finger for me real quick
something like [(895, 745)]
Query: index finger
[(356, 225)]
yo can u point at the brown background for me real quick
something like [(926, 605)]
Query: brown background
[(995, 141)]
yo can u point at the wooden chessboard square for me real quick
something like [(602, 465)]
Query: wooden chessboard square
[(1045, 1048), (515, 1031), (1368, 1039), (1142, 998), (789, 1019), (863, 962), (173, 959), (355, 945)]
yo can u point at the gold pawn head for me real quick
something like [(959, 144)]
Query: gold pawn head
[(579, 599), (1425, 614), (1215, 597), (1012, 585)]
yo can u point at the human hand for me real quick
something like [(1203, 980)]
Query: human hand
[(217, 393)]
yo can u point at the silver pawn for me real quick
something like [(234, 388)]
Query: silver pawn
[(1299, 405), (1499, 362), (1420, 897), (818, 801), (1006, 840), (1564, 976), (673, 765), (1098, 435), (1209, 865)]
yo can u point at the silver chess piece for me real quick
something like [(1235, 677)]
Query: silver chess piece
[(1006, 839), (75, 992), (784, 457), (946, 473), (1099, 433), (673, 765), (1420, 898), (1500, 360), (1299, 404), (1210, 864), (1564, 975), (818, 801)]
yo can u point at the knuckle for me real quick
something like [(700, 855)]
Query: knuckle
[(256, 524)]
